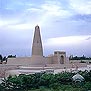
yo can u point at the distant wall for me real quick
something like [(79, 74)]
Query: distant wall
[(19, 61)]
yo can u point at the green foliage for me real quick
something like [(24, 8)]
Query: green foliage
[(1, 57), (79, 58), (12, 84), (64, 78), (45, 82), (11, 56), (87, 85), (87, 75)]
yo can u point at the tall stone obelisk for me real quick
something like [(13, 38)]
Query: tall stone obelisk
[(37, 49)]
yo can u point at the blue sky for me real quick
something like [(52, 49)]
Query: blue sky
[(65, 25)]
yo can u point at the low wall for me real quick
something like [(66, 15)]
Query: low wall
[(5, 67), (19, 61), (34, 60), (61, 66)]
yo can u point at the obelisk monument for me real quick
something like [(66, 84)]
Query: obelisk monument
[(37, 48), (37, 57)]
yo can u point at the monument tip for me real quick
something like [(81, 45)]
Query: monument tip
[(37, 26)]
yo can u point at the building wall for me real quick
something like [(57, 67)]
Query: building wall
[(37, 60), (34, 60), (19, 61), (55, 59), (49, 60), (60, 57)]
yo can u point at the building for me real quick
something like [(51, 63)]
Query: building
[(37, 62), (37, 58)]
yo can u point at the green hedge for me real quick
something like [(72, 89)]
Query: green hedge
[(43, 80)]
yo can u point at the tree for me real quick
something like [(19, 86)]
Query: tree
[(12, 84), (1, 57), (47, 79)]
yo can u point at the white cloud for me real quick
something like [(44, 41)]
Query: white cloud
[(54, 8), (51, 11), (67, 41), (21, 26), (81, 6), (7, 22), (33, 10), (44, 14)]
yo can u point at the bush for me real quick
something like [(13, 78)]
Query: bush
[(41, 81)]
